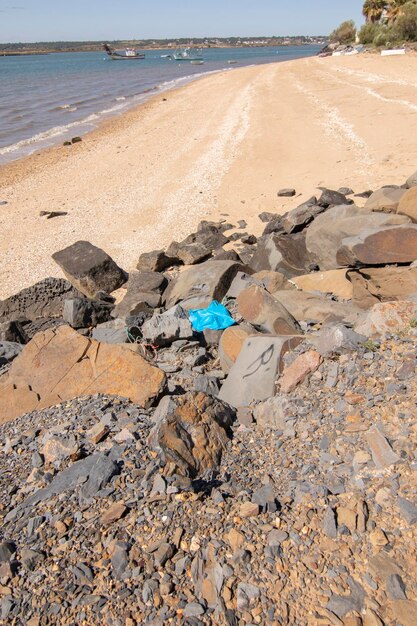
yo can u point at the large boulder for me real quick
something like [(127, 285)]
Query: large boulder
[(325, 235), (192, 431), (83, 313), (156, 261), (61, 364), (89, 268), (254, 374), (43, 299), (332, 281), (387, 318), (385, 199), (258, 307), (379, 246), (408, 204), (371, 285), (305, 306), (297, 219), (282, 253), (196, 287)]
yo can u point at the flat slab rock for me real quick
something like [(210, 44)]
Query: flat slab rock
[(256, 369), (379, 246), (387, 318), (89, 268), (60, 364)]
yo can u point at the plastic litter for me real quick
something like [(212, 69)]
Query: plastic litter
[(215, 317)]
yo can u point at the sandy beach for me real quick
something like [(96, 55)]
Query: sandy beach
[(220, 147)]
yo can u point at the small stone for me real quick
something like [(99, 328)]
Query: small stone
[(286, 193), (114, 513), (378, 538), (98, 432), (395, 587), (249, 509), (235, 539), (382, 454), (7, 549), (408, 510), (298, 371)]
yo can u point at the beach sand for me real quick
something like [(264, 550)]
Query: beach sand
[(220, 147)]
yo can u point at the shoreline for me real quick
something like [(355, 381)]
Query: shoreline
[(218, 147)]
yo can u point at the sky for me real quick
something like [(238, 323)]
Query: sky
[(96, 20)]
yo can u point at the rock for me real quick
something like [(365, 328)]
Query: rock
[(382, 454), (408, 204), (120, 559), (240, 282), (13, 331), (69, 365), (389, 244), (60, 448), (31, 559), (272, 281), (89, 268), (386, 199), (7, 550), (231, 344), (249, 509), (193, 253), (265, 498), (387, 317), (296, 220), (274, 412), (325, 235), (371, 285), (98, 432), (196, 287), (9, 351), (306, 306), (115, 512), (404, 612), (257, 306), (209, 234), (226, 255), (274, 226), (268, 217), (235, 539), (192, 431), (336, 339), (83, 313), (281, 253), (342, 605), (332, 198), (297, 372), (114, 331), (412, 180), (165, 552), (329, 523), (246, 595), (207, 384), (332, 281), (408, 510), (286, 193), (346, 191), (44, 299), (155, 261), (256, 369), (164, 329), (395, 587), (143, 292)]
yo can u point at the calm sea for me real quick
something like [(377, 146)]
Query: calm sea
[(47, 99)]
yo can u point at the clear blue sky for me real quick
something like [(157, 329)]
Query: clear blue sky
[(53, 20)]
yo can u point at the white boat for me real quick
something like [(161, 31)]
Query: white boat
[(128, 54), (197, 62), (188, 54), (231, 62), (392, 53)]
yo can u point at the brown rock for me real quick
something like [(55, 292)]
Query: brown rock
[(408, 204), (382, 246), (231, 343), (192, 431), (372, 619), (273, 281), (97, 432), (259, 307), (371, 285), (405, 612), (332, 281), (282, 253), (307, 306), (248, 509), (387, 317), (59, 448), (114, 513), (298, 371), (235, 539), (385, 199), (60, 364), (89, 268), (382, 454)]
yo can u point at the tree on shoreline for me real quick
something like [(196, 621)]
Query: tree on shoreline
[(389, 22), (373, 10)]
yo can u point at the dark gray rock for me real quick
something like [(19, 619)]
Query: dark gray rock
[(395, 587), (286, 193), (120, 559), (296, 220), (7, 549), (156, 261), (83, 313), (89, 268), (342, 605), (329, 523), (43, 300), (266, 498), (13, 331), (408, 510), (193, 253), (332, 198), (31, 559), (114, 331), (9, 351), (268, 217), (282, 253), (207, 384)]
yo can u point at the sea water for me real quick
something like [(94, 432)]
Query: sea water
[(47, 99)]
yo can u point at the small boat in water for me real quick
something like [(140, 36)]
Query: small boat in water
[(197, 62), (232, 62), (128, 54), (188, 54)]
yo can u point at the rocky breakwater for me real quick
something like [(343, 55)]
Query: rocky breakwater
[(262, 474)]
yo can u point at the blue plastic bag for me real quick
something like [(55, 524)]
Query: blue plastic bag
[(215, 317)]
